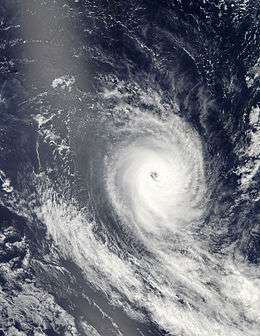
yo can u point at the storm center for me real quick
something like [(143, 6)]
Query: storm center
[(154, 175)]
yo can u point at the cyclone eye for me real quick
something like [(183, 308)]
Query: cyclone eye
[(154, 175)]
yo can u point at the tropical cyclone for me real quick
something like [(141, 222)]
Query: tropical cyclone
[(155, 177)]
